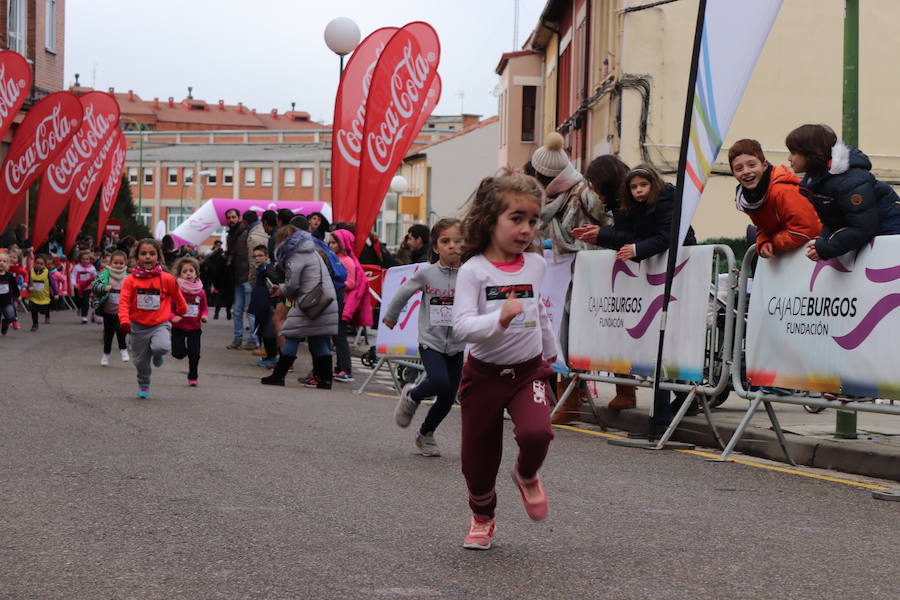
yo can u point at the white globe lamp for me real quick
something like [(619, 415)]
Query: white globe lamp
[(342, 37), (399, 184)]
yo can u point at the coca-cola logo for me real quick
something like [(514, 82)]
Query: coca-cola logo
[(50, 133), (64, 170), (407, 84), (349, 143), (118, 159), (93, 171), (10, 92)]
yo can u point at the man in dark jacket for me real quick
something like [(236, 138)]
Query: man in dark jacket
[(417, 242), (238, 266)]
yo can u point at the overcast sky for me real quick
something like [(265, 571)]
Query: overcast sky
[(270, 53)]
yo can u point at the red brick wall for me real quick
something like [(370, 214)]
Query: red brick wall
[(48, 66)]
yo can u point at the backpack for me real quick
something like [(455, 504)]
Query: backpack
[(336, 268)]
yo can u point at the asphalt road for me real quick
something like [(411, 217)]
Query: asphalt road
[(237, 490)]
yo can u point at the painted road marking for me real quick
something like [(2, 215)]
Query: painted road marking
[(742, 461)]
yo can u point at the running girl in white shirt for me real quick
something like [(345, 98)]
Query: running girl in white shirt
[(498, 310)]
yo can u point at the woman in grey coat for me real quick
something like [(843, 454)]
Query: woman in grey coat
[(303, 269)]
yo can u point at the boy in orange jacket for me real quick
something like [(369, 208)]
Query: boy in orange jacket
[(148, 298), (771, 197)]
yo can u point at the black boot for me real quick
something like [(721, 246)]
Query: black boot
[(322, 371), (280, 370)]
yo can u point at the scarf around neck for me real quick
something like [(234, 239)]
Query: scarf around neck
[(117, 274), (142, 273), (190, 287), (753, 199)]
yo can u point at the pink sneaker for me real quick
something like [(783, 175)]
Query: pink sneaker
[(481, 533), (192, 382), (533, 495)]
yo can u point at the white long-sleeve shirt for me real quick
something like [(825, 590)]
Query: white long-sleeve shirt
[(481, 290)]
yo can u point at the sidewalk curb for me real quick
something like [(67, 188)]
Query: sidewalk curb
[(850, 456)]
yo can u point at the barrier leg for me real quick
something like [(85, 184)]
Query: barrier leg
[(676, 419), (779, 433), (590, 398), (566, 394), (754, 406), (708, 415), (375, 369)]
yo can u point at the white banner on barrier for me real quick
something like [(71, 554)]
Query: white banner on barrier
[(403, 339), (555, 285), (828, 326), (615, 307)]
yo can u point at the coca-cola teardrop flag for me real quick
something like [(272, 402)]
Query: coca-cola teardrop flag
[(15, 81), (101, 114), (349, 121), (113, 181), (397, 97), (87, 186), (43, 134)]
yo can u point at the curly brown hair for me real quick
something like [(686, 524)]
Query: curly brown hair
[(185, 260), (488, 202)]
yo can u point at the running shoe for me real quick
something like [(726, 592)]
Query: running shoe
[(533, 495), (234, 345), (143, 391), (481, 533), (406, 407), (192, 382), (125, 357), (343, 377), (309, 381), (33, 329), (248, 346), (158, 361), (426, 444), (268, 363), (83, 320), (15, 324), (104, 360)]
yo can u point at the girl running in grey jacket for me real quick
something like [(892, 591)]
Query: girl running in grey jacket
[(442, 354)]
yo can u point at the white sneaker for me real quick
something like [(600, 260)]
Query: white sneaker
[(406, 406), (426, 444), (125, 356), (83, 320), (104, 360)]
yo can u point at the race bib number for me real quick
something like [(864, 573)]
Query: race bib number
[(501, 292), (148, 299), (441, 312), (113, 298), (526, 320), (84, 275), (4, 288), (193, 310), (37, 286)]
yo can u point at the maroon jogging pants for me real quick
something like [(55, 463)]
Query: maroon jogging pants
[(485, 390)]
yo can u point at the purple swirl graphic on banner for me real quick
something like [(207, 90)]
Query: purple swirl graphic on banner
[(883, 275), (868, 323), (640, 329), (831, 262), (620, 266), (660, 278)]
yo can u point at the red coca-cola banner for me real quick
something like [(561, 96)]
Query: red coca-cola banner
[(349, 121), (87, 186), (399, 91), (15, 81), (113, 181), (101, 115), (43, 134)]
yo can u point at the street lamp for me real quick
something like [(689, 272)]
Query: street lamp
[(203, 173), (342, 37), (141, 127), (399, 184)]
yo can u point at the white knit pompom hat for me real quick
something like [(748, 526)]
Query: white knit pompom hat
[(550, 159)]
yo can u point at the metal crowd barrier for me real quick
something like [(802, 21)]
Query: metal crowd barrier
[(759, 397), (717, 371)]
